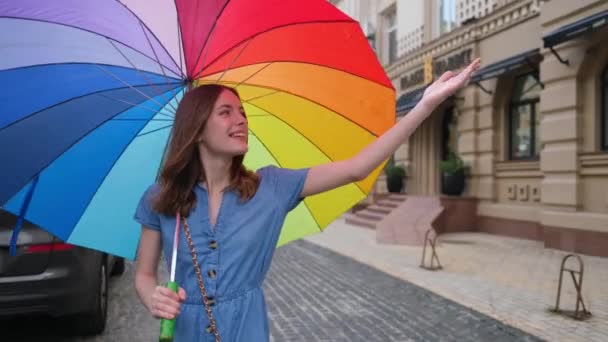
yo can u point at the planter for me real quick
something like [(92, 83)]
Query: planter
[(395, 178), (453, 183), (394, 184)]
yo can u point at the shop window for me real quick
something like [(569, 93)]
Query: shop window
[(605, 109), (524, 118)]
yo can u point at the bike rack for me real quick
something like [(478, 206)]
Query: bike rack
[(577, 314), (432, 242)]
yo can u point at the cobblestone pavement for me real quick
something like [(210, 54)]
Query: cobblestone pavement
[(512, 280), (317, 295), (313, 294)]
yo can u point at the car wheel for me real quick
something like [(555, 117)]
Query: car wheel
[(119, 267), (94, 322)]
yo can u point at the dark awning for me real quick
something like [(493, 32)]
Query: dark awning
[(575, 29), (506, 65), (409, 100)]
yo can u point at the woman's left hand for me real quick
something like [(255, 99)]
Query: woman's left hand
[(448, 84)]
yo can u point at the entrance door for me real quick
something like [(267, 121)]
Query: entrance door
[(448, 135), (430, 143), (425, 145)]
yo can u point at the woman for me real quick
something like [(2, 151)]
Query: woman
[(231, 216)]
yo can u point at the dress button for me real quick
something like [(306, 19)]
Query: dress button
[(213, 244), (211, 301), (209, 330), (211, 274)]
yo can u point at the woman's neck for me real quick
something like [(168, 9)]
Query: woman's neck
[(217, 171)]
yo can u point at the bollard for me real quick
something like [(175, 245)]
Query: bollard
[(577, 314), (434, 256)]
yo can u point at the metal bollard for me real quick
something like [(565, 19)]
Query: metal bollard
[(577, 314), (434, 256)]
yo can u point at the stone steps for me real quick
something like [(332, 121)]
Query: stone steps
[(359, 221), (378, 209), (388, 203), (370, 216)]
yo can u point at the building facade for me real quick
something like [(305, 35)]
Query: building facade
[(533, 123)]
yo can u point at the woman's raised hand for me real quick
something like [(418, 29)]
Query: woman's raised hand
[(448, 84)]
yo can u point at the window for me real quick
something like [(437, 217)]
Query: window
[(391, 37), (605, 109), (447, 16), (524, 118)]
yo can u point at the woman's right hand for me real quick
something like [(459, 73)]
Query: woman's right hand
[(166, 303)]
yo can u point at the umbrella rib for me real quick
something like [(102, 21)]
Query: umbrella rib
[(181, 92), (266, 65), (128, 85), (158, 40), (179, 41), (279, 163), (41, 169), (85, 30), (136, 105), (198, 74), (191, 42), (148, 81), (153, 131), (302, 135), (158, 61), (174, 80), (61, 103), (254, 74), (262, 96), (134, 119), (234, 60), (207, 40)]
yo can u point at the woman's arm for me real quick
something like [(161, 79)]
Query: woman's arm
[(159, 300), (148, 254), (335, 174)]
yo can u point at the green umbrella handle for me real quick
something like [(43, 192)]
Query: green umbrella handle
[(167, 326)]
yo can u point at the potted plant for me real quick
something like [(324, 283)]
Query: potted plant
[(395, 176), (453, 174)]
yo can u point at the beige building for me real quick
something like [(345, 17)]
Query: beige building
[(472, 9), (533, 124)]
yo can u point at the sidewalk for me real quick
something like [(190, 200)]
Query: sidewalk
[(512, 280)]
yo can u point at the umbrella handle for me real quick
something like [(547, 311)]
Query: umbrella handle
[(167, 326)]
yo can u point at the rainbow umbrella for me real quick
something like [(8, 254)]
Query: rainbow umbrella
[(90, 88)]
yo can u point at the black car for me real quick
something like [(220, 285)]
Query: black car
[(51, 277)]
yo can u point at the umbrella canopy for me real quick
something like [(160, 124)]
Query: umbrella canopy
[(90, 89)]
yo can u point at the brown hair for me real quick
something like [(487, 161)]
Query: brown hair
[(182, 168)]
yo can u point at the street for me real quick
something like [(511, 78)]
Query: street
[(313, 294)]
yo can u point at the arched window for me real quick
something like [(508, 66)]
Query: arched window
[(605, 109), (524, 118)]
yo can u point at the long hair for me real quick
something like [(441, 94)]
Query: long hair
[(182, 168)]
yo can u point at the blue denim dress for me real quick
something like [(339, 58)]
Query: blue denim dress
[(234, 257)]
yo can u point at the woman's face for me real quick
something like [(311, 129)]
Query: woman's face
[(226, 131)]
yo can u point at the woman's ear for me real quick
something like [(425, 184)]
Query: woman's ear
[(201, 136)]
